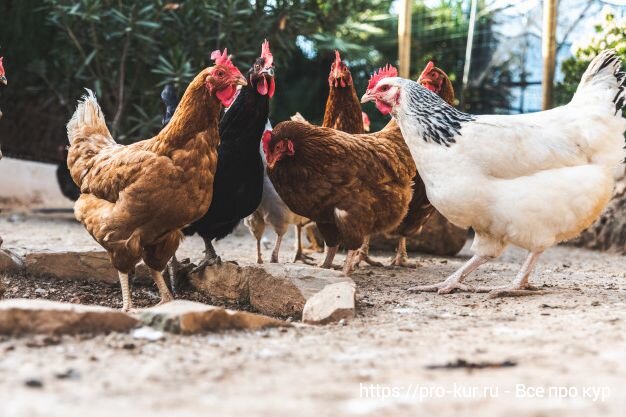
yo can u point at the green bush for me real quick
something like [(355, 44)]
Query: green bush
[(609, 33)]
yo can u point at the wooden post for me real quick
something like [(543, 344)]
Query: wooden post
[(468, 48), (548, 51), (404, 38)]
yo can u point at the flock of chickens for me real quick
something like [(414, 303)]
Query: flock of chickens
[(529, 180)]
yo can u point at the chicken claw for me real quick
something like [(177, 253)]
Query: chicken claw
[(402, 259), (362, 255), (443, 287), (210, 257)]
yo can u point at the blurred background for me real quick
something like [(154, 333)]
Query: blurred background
[(127, 50)]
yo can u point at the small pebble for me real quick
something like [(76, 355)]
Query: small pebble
[(33, 383)]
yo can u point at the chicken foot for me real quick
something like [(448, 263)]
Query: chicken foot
[(520, 286), (402, 258), (300, 255), (164, 292), (178, 273), (210, 256), (455, 281), (331, 251), (363, 255)]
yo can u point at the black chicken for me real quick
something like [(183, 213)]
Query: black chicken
[(238, 183)]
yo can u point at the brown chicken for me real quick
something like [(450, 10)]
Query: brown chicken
[(350, 185), (343, 106), (342, 112), (135, 199), (420, 208)]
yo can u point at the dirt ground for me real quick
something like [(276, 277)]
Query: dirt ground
[(565, 350)]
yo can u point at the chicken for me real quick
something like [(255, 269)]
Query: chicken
[(420, 209), (135, 199), (343, 109), (350, 185), (274, 212), (530, 180), (342, 112)]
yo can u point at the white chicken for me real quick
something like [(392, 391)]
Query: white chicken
[(530, 180)]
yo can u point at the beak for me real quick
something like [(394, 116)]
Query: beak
[(367, 97), (241, 80), (3, 80)]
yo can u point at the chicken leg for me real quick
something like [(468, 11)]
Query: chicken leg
[(363, 255), (164, 292), (300, 255), (402, 258), (274, 258), (331, 251), (127, 302), (520, 286), (455, 281)]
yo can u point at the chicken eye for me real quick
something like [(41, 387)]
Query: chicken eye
[(257, 67), (384, 88), (220, 73)]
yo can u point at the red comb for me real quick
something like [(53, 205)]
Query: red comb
[(429, 68), (384, 72), (222, 58), (267, 54), (337, 57), (1, 67)]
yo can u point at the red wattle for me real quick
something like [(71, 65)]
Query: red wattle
[(227, 95), (272, 88), (261, 86), (383, 107)]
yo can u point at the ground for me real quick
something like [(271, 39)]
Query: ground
[(570, 343)]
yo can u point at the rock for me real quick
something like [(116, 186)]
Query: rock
[(273, 289), (10, 262), (282, 289), (21, 316), (148, 333), (90, 266), (225, 282), (189, 317), (335, 303), (437, 237)]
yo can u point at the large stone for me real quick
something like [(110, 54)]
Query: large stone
[(89, 265), (335, 302), (188, 317), (22, 316), (437, 237), (10, 262), (273, 289), (283, 289), (225, 282)]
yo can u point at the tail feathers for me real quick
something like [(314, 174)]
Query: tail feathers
[(605, 72), (87, 119)]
